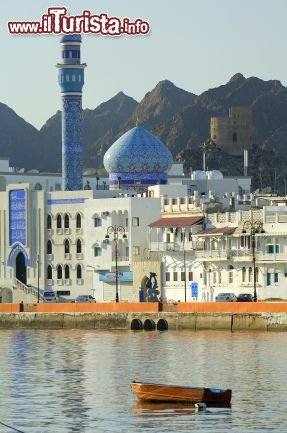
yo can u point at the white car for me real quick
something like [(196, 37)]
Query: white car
[(49, 297)]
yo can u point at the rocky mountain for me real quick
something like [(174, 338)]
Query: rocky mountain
[(179, 118), (19, 140)]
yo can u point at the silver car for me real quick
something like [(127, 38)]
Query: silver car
[(225, 297), (85, 298)]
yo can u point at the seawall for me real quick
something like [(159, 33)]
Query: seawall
[(261, 316)]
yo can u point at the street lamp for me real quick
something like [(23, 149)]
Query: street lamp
[(116, 231), (184, 261), (97, 179), (38, 278), (253, 227)]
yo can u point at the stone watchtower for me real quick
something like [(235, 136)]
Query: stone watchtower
[(71, 80), (233, 134)]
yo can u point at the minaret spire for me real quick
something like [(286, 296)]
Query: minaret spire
[(71, 80)]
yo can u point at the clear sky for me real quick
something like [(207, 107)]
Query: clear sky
[(196, 44)]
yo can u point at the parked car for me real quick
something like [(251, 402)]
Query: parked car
[(49, 296), (245, 297), (85, 298), (225, 297)]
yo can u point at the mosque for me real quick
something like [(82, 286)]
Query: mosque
[(75, 240)]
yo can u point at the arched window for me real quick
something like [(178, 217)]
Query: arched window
[(49, 272), (66, 221), (73, 77), (49, 222), (78, 221), (67, 272), (79, 272), (67, 77), (59, 272), (59, 221), (250, 275), (38, 186), (243, 275), (79, 246), (67, 246), (49, 247)]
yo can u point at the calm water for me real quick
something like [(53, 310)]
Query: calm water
[(78, 381)]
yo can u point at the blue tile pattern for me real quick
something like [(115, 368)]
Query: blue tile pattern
[(72, 169), (137, 157)]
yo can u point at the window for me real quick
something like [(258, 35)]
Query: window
[(79, 272), (214, 277), (78, 221), (73, 77), (97, 251), (276, 277), (136, 251), (67, 78), (67, 246), (234, 137), (277, 248), (230, 277), (243, 275), (127, 222), (49, 247), (97, 222), (67, 272), (63, 293), (167, 276), (175, 276), (190, 276), (59, 221), (135, 221), (268, 279), (182, 276), (66, 221), (59, 272), (49, 272), (79, 246), (270, 249), (49, 222), (256, 274)]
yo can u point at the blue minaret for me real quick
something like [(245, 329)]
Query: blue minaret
[(71, 80)]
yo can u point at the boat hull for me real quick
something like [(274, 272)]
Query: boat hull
[(182, 394)]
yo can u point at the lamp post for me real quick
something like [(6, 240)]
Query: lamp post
[(97, 179), (38, 277), (253, 227), (284, 180), (184, 262), (116, 231)]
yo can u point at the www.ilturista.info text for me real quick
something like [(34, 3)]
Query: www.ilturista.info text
[(56, 21)]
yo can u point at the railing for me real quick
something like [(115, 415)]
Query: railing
[(31, 290), (121, 258)]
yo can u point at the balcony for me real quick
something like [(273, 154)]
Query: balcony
[(121, 259)]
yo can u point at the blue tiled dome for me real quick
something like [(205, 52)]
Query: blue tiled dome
[(71, 38), (138, 151), (137, 160)]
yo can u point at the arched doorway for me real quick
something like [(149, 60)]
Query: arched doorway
[(21, 270)]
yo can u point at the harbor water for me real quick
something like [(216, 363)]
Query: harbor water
[(60, 381)]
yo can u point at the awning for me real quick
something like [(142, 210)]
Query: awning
[(216, 231), (177, 221)]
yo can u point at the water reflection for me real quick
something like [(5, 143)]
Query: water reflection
[(79, 381)]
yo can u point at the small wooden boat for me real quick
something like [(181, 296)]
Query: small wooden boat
[(188, 394)]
